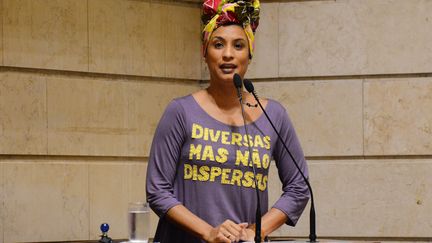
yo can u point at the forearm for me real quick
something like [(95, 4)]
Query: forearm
[(270, 222), (184, 218)]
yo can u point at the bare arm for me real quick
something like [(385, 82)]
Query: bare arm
[(271, 221)]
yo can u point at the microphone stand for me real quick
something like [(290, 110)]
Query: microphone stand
[(312, 217), (238, 85)]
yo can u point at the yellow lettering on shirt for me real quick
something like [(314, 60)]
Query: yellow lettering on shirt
[(208, 153), (195, 151), (242, 158), (222, 156), (197, 131), (267, 142), (215, 172)]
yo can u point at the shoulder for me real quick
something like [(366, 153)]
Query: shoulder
[(179, 104), (176, 110), (275, 107), (175, 117), (278, 113)]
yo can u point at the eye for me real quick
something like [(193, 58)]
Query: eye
[(239, 45), (218, 45)]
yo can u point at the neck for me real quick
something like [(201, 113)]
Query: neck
[(225, 96)]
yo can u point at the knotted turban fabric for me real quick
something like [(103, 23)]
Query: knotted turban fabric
[(222, 12)]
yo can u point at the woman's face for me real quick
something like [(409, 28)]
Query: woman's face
[(227, 53)]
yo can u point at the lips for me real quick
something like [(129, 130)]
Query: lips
[(227, 68)]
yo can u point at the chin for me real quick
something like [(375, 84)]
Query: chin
[(228, 78), (224, 77)]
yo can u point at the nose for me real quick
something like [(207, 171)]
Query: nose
[(228, 52)]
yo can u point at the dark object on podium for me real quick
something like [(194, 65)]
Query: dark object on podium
[(104, 237)]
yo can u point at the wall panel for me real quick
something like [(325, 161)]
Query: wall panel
[(183, 45), (367, 198), (265, 61), (143, 38), (127, 185), (100, 117), (320, 38), (398, 120), (45, 200), (46, 34), (22, 113), (1, 34), (126, 37), (327, 115)]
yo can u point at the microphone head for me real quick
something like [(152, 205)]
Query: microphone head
[(237, 81), (248, 85)]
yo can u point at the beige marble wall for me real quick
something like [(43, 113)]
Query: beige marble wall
[(183, 46), (45, 200), (398, 120), (327, 115), (64, 199), (367, 198), (126, 37), (347, 37), (350, 37), (1, 34), (112, 36), (112, 207), (102, 117), (45, 34), (78, 115), (144, 38), (126, 184), (265, 61), (23, 113)]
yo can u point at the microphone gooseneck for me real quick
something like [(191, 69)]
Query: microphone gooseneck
[(238, 84), (312, 234)]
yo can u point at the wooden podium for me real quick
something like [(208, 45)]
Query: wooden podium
[(285, 240)]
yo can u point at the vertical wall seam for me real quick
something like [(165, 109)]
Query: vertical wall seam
[(47, 116), (88, 202), (278, 38), (88, 38), (2, 219), (363, 116), (2, 33)]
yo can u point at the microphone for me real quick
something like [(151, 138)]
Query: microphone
[(312, 223), (238, 84)]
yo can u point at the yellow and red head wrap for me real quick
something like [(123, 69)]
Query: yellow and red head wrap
[(222, 12)]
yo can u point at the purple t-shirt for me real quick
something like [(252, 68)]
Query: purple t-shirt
[(205, 164)]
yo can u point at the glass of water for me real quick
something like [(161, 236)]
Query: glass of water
[(139, 222)]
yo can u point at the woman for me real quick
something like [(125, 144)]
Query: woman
[(199, 179)]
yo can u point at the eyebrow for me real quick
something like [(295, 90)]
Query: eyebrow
[(221, 38)]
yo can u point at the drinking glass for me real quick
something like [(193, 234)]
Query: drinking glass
[(139, 222)]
